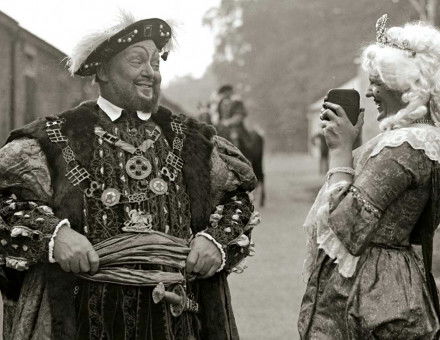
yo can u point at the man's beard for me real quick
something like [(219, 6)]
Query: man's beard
[(135, 103), (150, 105)]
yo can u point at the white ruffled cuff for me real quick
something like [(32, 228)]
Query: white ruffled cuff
[(321, 236), (218, 245), (62, 223)]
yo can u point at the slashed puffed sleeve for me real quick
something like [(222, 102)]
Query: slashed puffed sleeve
[(27, 223), (354, 212), (232, 178)]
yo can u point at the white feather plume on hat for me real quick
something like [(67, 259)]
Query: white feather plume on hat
[(91, 41)]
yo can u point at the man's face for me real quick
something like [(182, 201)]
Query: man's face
[(388, 101), (131, 79), (228, 94)]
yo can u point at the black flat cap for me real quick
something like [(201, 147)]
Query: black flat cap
[(153, 29)]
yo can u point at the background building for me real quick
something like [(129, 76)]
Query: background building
[(34, 81)]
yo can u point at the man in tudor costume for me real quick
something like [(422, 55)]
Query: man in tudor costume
[(120, 219)]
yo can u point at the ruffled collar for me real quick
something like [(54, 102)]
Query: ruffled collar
[(425, 137), (419, 136)]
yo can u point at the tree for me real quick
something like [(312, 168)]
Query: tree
[(426, 9), (285, 54)]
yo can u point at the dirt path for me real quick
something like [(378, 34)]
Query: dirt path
[(266, 297)]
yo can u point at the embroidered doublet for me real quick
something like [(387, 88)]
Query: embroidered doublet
[(170, 212)]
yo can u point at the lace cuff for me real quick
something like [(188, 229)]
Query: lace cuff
[(62, 223), (218, 245), (321, 236), (329, 242)]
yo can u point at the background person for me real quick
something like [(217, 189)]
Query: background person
[(224, 95), (319, 140)]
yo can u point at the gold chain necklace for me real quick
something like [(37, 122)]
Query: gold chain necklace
[(138, 166)]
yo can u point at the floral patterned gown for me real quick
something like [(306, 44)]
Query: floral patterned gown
[(365, 280)]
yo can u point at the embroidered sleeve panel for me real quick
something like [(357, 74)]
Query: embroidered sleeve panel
[(230, 169), (26, 224), (231, 226), (222, 179), (354, 214), (24, 168), (25, 231)]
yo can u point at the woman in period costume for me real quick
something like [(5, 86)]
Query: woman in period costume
[(365, 278)]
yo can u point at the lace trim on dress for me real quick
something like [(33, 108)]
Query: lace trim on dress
[(321, 236), (420, 136)]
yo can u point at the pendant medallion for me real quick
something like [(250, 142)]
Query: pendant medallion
[(158, 186), (110, 197), (138, 167)]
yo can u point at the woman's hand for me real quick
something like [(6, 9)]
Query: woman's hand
[(339, 132)]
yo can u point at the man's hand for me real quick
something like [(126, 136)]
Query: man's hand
[(204, 258), (74, 252)]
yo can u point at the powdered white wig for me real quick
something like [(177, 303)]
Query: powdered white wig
[(92, 40), (413, 71)]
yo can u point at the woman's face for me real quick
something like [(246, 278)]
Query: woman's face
[(388, 101)]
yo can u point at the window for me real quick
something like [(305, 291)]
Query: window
[(30, 84), (30, 98)]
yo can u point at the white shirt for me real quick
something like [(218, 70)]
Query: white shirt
[(114, 112)]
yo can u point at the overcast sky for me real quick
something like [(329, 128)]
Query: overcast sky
[(62, 23)]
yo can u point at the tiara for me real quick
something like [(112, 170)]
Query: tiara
[(382, 37)]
